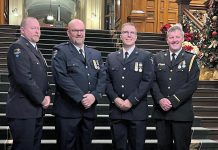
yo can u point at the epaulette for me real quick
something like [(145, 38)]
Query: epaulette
[(164, 50), (61, 44), (189, 52)]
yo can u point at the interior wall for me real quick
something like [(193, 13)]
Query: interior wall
[(16, 12), (94, 14)]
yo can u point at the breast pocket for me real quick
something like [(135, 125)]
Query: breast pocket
[(114, 72), (72, 67), (182, 73), (36, 65), (114, 69), (160, 68)]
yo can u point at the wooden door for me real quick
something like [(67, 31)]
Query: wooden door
[(160, 12), (156, 13)]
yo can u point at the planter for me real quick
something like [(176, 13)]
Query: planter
[(208, 74)]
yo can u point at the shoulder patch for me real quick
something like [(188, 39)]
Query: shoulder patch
[(17, 52), (189, 52), (61, 44), (54, 53)]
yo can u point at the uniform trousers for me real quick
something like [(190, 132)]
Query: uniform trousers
[(26, 133), (74, 133), (128, 134), (173, 135)]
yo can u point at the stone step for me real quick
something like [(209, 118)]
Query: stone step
[(102, 144), (103, 120), (104, 132), (103, 109)]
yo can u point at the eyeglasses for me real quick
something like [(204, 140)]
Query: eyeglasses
[(76, 31), (128, 33)]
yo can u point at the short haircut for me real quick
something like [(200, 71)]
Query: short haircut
[(174, 28), (128, 24), (23, 22)]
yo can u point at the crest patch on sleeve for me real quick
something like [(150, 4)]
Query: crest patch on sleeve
[(54, 53), (17, 52)]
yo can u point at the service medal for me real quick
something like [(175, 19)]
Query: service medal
[(98, 66), (183, 64), (136, 66), (95, 64), (140, 66)]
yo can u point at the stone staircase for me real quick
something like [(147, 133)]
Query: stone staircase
[(205, 100)]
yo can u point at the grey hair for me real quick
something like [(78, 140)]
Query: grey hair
[(178, 27)]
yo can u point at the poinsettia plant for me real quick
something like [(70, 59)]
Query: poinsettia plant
[(189, 47), (165, 28)]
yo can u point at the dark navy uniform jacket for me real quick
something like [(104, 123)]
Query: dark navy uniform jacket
[(129, 80), (28, 80), (75, 77), (177, 83)]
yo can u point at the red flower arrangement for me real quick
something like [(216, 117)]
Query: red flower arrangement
[(165, 28), (189, 47), (188, 37)]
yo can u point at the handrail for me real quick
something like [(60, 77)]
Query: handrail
[(197, 23)]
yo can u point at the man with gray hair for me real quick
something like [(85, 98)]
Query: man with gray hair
[(29, 91), (176, 79)]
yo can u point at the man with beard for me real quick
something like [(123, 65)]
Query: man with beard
[(80, 82), (29, 89)]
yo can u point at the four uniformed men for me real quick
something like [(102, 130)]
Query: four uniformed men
[(81, 79)]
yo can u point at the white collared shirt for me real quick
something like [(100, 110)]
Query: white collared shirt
[(129, 51), (33, 44), (77, 48), (176, 54)]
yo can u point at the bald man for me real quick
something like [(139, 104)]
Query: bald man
[(80, 81)]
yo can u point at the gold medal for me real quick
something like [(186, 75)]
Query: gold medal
[(95, 64)]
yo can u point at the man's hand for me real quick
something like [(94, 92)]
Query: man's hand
[(123, 105), (127, 105), (88, 100), (165, 104), (119, 102), (46, 102)]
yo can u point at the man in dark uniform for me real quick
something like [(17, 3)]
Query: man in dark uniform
[(129, 78), (29, 90), (176, 79), (80, 82)]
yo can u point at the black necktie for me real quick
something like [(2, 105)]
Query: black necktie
[(81, 53), (173, 59), (126, 56), (40, 54)]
